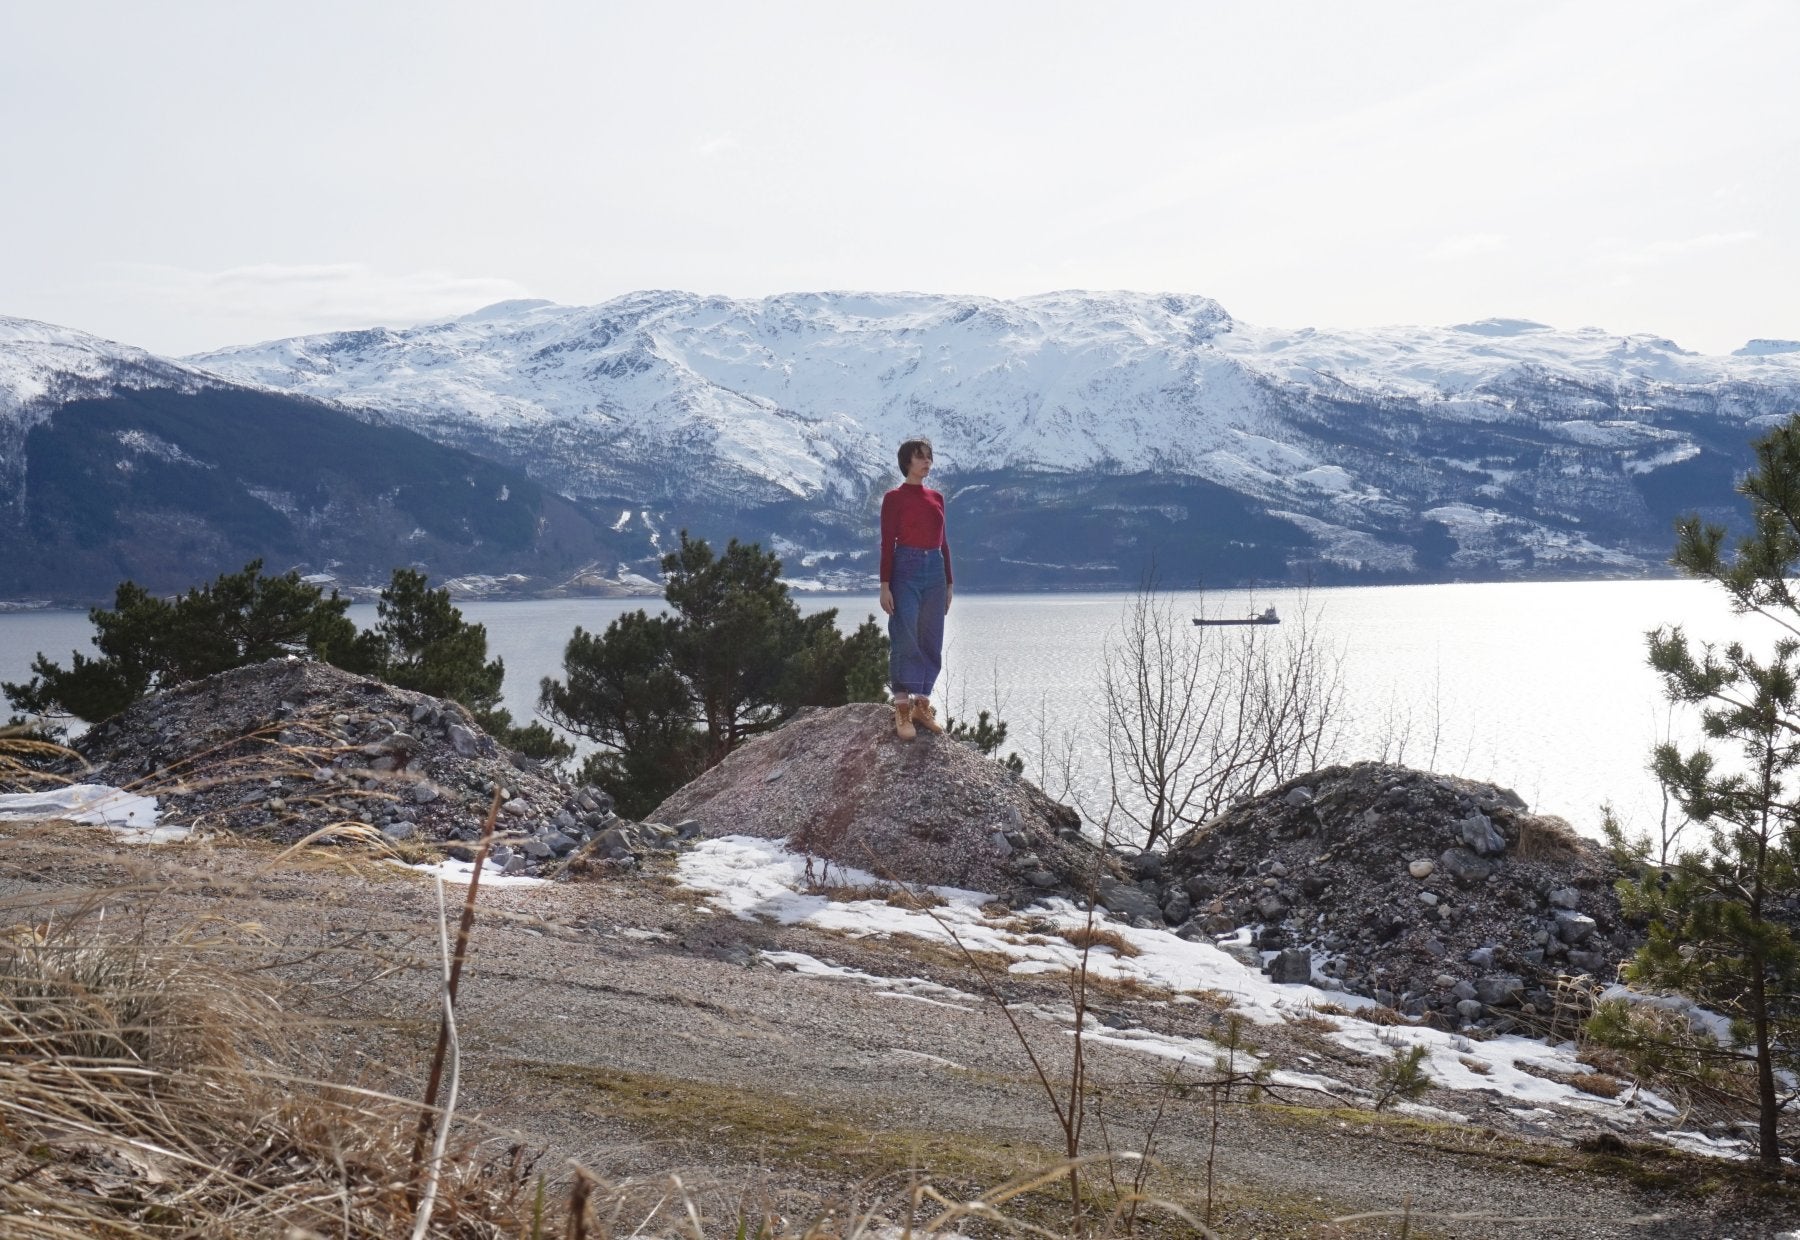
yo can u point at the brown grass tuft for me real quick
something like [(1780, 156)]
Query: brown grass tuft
[(1090, 937), (1545, 837), (1597, 1083)]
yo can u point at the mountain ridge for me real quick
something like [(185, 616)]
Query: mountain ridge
[(1080, 435)]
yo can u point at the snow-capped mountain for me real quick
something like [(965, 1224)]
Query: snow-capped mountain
[(1488, 448), (115, 463)]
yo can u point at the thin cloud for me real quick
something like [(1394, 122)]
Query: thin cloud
[(322, 296)]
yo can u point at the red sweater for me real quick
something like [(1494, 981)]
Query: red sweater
[(912, 516)]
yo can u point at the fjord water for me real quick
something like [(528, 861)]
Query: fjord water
[(1540, 686)]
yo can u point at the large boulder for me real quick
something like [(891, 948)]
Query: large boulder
[(839, 784)]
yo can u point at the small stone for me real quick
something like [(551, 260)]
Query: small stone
[(514, 865), (559, 843), (1436, 948), (1463, 990), (1313, 886), (1001, 847), (1177, 908), (516, 807), (1042, 879), (1479, 834), (1422, 869), (1277, 869), (1297, 797), (1443, 981), (1481, 957), (1147, 864), (400, 831), (1428, 898), (462, 740), (275, 805), (424, 792), (1565, 897), (1294, 964), (1272, 908), (1128, 900), (1465, 866), (536, 849), (1499, 989), (1574, 928), (1468, 1009), (775, 772)]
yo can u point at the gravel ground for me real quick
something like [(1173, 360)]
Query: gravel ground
[(619, 1023)]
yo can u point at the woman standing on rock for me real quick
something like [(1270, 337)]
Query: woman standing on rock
[(915, 589)]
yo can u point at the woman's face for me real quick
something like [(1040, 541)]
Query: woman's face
[(919, 466)]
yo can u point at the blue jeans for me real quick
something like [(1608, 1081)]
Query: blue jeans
[(916, 629)]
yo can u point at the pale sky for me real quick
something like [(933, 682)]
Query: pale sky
[(184, 176)]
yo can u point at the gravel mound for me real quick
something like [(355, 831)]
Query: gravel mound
[(839, 784), (281, 749), (1435, 895)]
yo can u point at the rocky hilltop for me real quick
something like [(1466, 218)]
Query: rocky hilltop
[(839, 784)]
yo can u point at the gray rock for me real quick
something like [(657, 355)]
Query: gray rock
[(501, 854), (1042, 879), (514, 865), (424, 792), (1428, 898), (1243, 953), (1479, 834), (1587, 962), (775, 772), (1464, 866), (559, 843), (1463, 990), (516, 807), (1297, 797), (1499, 989), (1294, 964), (1468, 1009), (462, 739), (536, 849), (400, 831), (1574, 928), (1422, 869), (1001, 846), (565, 821), (1219, 923), (1435, 948), (1128, 900), (1147, 864), (687, 829), (1481, 957), (613, 839), (1565, 897), (1272, 908), (1178, 908)]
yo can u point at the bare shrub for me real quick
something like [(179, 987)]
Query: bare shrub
[(1198, 717)]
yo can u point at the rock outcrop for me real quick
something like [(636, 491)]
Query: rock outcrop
[(1433, 894), (838, 784), (285, 748)]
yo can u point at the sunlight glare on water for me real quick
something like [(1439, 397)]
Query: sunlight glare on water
[(1539, 686)]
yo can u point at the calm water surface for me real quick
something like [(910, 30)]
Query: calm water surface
[(1538, 686)]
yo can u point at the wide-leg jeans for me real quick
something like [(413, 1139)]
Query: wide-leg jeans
[(916, 629)]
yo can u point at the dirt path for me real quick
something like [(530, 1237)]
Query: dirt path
[(623, 1024)]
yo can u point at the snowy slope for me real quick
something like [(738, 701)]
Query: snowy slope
[(43, 366), (802, 391)]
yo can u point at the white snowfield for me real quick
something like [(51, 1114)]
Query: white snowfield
[(134, 817), (809, 390), (755, 878)]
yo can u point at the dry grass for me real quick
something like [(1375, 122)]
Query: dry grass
[(1089, 937), (887, 893), (1545, 837), (1380, 1014), (1480, 1067), (150, 1088), (1598, 1083)]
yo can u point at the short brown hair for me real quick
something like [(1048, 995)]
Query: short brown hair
[(912, 448)]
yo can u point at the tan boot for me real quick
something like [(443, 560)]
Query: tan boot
[(903, 720), (925, 717)]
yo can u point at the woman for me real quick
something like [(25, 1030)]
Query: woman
[(915, 589)]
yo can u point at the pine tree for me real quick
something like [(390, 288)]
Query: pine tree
[(665, 697), (1721, 915)]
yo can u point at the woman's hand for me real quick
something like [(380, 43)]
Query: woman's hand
[(887, 598), (949, 593)]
